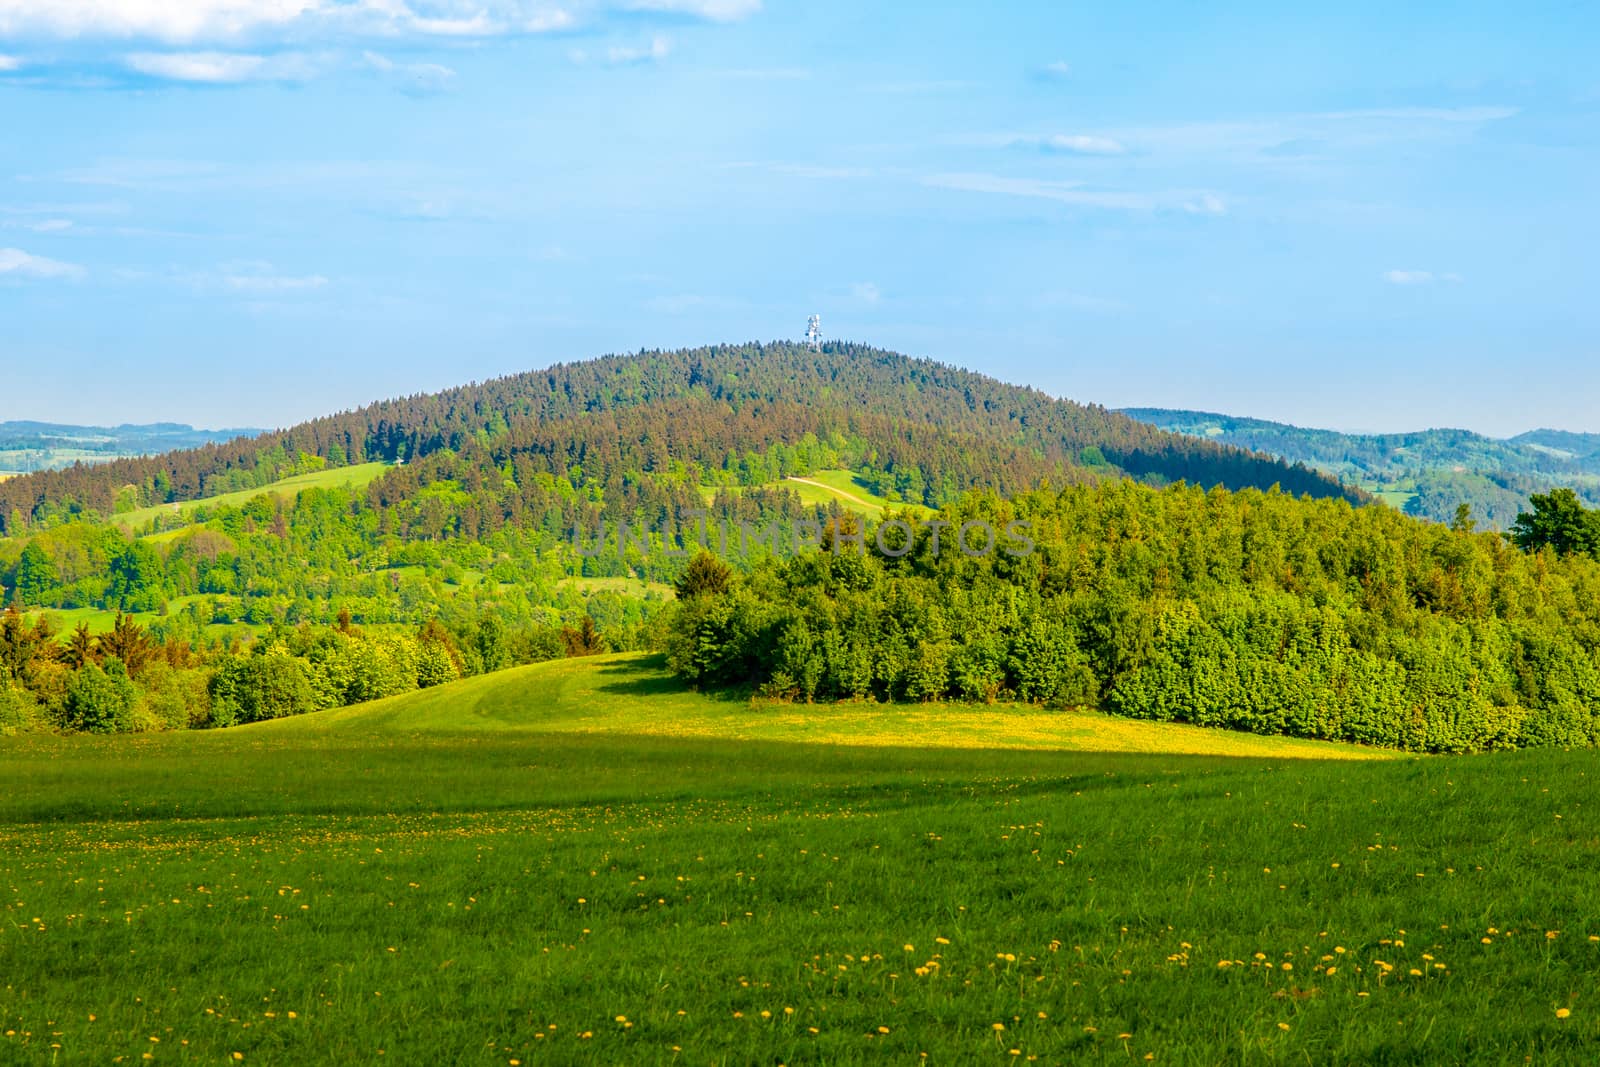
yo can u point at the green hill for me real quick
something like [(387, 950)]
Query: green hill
[(1427, 473), (634, 695), (924, 430)]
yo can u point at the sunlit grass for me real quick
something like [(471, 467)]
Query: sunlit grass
[(467, 876), (356, 475)]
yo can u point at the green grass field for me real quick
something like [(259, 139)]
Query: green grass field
[(581, 862), (831, 487), (357, 475), (101, 620)]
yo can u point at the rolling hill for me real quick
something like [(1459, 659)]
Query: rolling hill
[(917, 429), (1427, 473), (634, 695), (27, 446)]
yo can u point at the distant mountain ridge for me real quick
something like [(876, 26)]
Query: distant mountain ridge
[(27, 445), (1428, 472)]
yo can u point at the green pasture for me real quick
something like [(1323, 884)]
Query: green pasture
[(357, 476), (830, 487), (583, 863)]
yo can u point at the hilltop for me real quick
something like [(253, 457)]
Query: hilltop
[(924, 431)]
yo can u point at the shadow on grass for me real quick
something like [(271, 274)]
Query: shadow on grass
[(646, 676)]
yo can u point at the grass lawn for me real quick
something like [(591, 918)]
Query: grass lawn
[(583, 863), (626, 586)]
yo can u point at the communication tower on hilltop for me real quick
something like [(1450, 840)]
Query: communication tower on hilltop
[(814, 333)]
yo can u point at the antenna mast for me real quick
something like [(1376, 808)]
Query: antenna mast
[(814, 333)]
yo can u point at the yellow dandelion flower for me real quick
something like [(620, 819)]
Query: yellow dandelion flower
[(1562, 1013)]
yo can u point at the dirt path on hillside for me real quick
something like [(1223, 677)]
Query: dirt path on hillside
[(835, 492)]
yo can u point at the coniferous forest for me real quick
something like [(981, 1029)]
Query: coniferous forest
[(1169, 578)]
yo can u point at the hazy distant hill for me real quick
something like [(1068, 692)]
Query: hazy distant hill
[(1427, 473), (27, 446)]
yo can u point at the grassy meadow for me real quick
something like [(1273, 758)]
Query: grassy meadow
[(826, 487), (356, 475), (581, 862)]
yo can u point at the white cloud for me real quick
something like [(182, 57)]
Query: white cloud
[(222, 68), (712, 10), (866, 292), (182, 22), (413, 77), (1058, 69), (1417, 277), (1075, 193), (1206, 204), (657, 49), (16, 261), (9, 63), (1082, 144), (255, 276)]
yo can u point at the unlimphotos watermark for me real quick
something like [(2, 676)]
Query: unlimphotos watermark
[(893, 538)]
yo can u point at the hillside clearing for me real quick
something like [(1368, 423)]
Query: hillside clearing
[(355, 476)]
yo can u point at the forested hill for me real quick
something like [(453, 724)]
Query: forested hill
[(914, 416), (1429, 473)]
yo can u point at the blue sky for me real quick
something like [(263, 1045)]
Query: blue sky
[(250, 212)]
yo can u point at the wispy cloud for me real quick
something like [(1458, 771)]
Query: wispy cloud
[(711, 10), (9, 63), (866, 292), (14, 261), (655, 50), (39, 225), (190, 22), (223, 68), (1079, 194), (412, 77), (256, 276), (1417, 277), (1076, 144), (1055, 70)]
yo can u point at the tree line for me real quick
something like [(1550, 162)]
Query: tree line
[(1253, 611)]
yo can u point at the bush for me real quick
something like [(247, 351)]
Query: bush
[(101, 700), (253, 688)]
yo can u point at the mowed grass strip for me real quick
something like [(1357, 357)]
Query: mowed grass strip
[(390, 887)]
